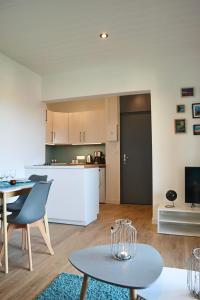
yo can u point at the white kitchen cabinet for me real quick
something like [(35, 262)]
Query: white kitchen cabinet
[(102, 185), (112, 150), (75, 128), (112, 119), (94, 127), (56, 128), (49, 127), (87, 127), (60, 128), (74, 194)]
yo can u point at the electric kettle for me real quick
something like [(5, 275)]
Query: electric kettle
[(89, 159)]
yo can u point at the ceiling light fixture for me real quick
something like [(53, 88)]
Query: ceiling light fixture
[(103, 35)]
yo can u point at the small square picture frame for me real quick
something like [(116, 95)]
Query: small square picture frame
[(180, 125), (195, 110), (180, 108), (187, 92), (196, 129)]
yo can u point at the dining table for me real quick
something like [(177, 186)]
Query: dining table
[(6, 192)]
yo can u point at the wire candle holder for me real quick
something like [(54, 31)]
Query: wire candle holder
[(193, 275), (123, 239)]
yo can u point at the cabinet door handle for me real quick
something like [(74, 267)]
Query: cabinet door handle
[(52, 136), (80, 136), (84, 136)]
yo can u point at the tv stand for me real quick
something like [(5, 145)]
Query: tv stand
[(179, 220)]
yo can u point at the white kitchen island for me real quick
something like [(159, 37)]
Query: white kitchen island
[(74, 194)]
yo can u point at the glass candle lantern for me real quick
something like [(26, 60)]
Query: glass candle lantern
[(193, 276), (123, 239)]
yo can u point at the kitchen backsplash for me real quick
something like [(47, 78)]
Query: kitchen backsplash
[(65, 153)]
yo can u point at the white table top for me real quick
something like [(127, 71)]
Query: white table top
[(5, 188), (171, 285)]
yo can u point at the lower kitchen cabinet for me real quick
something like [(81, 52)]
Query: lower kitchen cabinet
[(74, 194), (102, 185)]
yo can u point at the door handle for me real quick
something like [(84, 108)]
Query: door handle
[(125, 158), (84, 136), (80, 136)]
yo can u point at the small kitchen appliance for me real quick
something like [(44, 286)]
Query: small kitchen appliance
[(89, 159), (99, 157)]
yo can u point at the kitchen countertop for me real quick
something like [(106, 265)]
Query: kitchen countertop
[(67, 166), (89, 165)]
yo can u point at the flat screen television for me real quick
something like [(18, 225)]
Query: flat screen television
[(192, 185)]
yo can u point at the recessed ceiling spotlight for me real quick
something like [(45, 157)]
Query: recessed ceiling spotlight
[(103, 35)]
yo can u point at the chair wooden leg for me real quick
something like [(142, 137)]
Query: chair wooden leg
[(23, 245), (46, 224), (41, 227), (29, 248), (11, 227), (24, 239), (1, 230)]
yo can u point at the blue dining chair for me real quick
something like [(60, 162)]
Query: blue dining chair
[(17, 205), (31, 215)]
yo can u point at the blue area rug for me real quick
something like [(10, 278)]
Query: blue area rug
[(68, 286)]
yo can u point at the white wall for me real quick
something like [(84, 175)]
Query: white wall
[(163, 74), (21, 117)]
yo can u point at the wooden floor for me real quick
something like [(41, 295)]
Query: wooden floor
[(21, 284)]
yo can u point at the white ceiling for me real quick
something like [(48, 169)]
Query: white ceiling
[(51, 36)]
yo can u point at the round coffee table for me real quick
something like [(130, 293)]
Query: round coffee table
[(137, 273)]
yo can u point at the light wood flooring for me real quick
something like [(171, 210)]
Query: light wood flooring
[(21, 284)]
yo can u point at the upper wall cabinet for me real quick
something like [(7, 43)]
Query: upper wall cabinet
[(87, 127), (56, 128), (75, 128), (49, 127), (60, 128), (94, 127)]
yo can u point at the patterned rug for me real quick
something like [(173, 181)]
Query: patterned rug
[(68, 286)]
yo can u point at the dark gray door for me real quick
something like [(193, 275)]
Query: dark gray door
[(136, 158)]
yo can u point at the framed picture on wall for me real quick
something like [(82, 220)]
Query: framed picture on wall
[(180, 125), (187, 92), (196, 129), (180, 108), (196, 110)]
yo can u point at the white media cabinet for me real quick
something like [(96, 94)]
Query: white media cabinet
[(180, 220)]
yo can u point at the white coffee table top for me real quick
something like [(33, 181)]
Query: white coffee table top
[(171, 285), (137, 273)]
